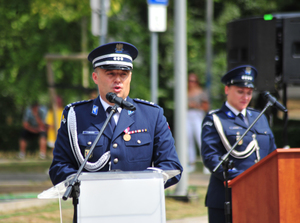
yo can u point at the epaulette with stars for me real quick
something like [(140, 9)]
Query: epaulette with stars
[(77, 103), (251, 111), (145, 102), (213, 111)]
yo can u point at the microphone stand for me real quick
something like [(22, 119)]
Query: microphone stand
[(285, 119), (228, 164), (73, 189)]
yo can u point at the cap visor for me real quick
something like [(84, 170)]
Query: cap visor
[(244, 84), (114, 67)]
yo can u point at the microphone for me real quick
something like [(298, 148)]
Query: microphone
[(113, 98), (273, 100)]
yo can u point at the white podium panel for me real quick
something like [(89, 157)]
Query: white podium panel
[(122, 197), (117, 197)]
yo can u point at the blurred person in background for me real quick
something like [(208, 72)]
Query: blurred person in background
[(198, 106), (34, 127), (51, 132)]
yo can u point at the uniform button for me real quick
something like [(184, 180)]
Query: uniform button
[(116, 160), (89, 143), (115, 145), (139, 141)]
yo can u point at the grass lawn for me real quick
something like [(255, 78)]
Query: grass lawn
[(46, 213)]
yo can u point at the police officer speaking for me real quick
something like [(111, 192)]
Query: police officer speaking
[(140, 139), (221, 128)]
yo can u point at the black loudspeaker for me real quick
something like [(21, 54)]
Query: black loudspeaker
[(291, 50), (271, 45)]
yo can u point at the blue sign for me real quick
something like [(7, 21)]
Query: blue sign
[(158, 2)]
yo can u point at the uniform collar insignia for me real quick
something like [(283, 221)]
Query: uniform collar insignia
[(230, 114), (95, 110), (130, 112)]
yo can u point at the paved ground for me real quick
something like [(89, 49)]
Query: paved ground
[(22, 180), (202, 219)]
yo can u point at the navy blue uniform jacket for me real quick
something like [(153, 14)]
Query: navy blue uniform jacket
[(154, 144), (212, 148)]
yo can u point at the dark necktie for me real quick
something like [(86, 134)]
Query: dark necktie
[(112, 120), (243, 118)]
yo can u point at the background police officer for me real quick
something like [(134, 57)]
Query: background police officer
[(222, 128), (141, 138)]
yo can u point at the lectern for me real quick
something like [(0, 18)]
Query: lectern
[(269, 191), (115, 197)]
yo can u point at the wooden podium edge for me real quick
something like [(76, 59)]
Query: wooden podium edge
[(265, 159)]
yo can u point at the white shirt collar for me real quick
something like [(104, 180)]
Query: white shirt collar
[(234, 110), (106, 105)]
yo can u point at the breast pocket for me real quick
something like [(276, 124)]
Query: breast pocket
[(263, 139), (85, 141), (234, 135), (139, 147)]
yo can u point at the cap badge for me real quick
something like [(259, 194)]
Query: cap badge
[(119, 48), (248, 70)]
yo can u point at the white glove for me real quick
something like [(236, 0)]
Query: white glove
[(164, 174)]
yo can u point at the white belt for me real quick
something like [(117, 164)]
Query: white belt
[(72, 130), (252, 146)]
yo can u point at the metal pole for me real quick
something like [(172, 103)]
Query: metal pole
[(209, 17), (154, 66), (103, 22), (180, 67), (85, 67)]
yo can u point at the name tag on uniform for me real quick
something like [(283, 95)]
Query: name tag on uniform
[(90, 132), (235, 127)]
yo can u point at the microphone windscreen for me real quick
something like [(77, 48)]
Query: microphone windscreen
[(110, 97)]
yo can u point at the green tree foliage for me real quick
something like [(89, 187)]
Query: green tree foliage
[(29, 30), (32, 28)]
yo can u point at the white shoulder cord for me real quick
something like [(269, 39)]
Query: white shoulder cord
[(72, 130), (253, 145)]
